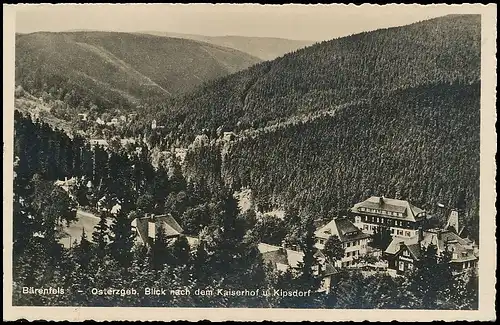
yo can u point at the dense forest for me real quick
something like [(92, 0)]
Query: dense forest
[(225, 257), (334, 73), (413, 134), (422, 145), (392, 112)]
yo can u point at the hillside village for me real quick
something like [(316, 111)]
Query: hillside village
[(360, 186), (377, 236)]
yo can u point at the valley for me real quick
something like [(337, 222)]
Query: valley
[(340, 168)]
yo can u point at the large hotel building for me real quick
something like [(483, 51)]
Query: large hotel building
[(400, 217)]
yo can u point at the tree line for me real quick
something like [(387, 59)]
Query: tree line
[(421, 145), (226, 256), (332, 73)]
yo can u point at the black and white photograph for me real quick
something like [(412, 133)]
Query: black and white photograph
[(225, 156)]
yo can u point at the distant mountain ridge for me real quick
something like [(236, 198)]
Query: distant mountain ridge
[(265, 48), (112, 68)]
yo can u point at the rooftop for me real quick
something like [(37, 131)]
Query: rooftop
[(341, 227), (462, 249), (282, 258), (389, 208), (170, 227)]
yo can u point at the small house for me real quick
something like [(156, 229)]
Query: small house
[(146, 228), (353, 240)]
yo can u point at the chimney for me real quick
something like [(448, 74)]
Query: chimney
[(420, 234), (401, 244), (381, 200)]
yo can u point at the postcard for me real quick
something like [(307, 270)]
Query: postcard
[(249, 162)]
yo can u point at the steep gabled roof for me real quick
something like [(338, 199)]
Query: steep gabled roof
[(462, 248), (170, 226), (341, 227), (415, 251), (396, 243), (375, 203), (279, 256)]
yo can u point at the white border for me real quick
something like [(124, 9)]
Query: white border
[(487, 263)]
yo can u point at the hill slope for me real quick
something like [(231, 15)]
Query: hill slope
[(265, 48), (110, 68), (394, 110), (338, 72)]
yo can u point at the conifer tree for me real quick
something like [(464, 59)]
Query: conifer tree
[(100, 236), (181, 251), (432, 275), (160, 250), (122, 239), (307, 279)]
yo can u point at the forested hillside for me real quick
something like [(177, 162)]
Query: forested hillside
[(336, 72), (111, 69), (226, 256), (265, 48), (392, 112)]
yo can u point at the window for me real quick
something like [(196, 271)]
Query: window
[(401, 266), (407, 234), (406, 253), (410, 266), (321, 241)]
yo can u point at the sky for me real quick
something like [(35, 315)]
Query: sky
[(300, 22)]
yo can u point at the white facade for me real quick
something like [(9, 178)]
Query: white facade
[(354, 241), (371, 228)]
